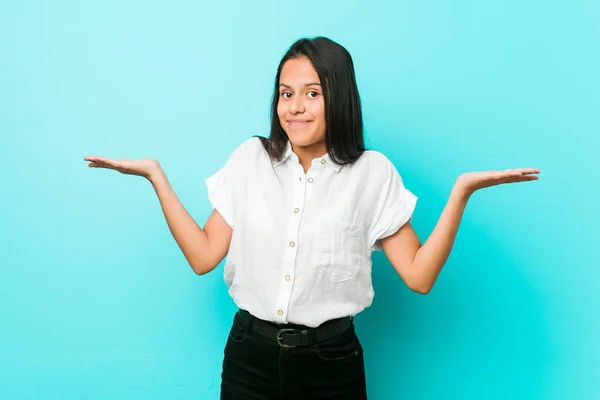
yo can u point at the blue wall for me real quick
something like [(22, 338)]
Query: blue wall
[(96, 300)]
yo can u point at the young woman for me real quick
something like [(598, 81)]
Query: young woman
[(298, 216)]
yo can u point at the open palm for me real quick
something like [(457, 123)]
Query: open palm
[(472, 181), (144, 167)]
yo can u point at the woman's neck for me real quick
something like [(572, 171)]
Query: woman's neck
[(306, 154)]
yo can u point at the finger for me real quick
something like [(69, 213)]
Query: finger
[(93, 158), (102, 164), (526, 171), (494, 174), (526, 178), (104, 160), (514, 173), (504, 175), (109, 163), (99, 165)]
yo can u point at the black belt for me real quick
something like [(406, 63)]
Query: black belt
[(293, 337)]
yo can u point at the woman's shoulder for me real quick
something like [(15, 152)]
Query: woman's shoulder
[(250, 145), (248, 149), (379, 169), (374, 159)]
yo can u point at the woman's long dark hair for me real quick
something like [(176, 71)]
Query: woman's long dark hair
[(343, 115)]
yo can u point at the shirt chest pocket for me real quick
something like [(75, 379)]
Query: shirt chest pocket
[(339, 251)]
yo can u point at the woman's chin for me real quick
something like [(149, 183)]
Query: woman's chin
[(300, 142), (306, 142)]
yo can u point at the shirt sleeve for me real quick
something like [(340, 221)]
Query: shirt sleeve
[(223, 184), (393, 206)]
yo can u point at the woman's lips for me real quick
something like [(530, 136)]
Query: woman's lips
[(298, 122)]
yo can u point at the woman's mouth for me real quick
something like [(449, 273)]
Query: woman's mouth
[(298, 122)]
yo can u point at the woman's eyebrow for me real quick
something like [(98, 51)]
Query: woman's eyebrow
[(306, 84)]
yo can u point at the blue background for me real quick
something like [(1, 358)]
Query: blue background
[(96, 299)]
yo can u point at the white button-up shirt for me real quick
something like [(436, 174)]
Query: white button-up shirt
[(302, 243)]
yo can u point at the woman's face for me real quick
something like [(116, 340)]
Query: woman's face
[(301, 108)]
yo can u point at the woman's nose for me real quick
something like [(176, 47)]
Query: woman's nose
[(297, 105)]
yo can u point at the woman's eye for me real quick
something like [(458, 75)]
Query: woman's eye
[(313, 94), (286, 95)]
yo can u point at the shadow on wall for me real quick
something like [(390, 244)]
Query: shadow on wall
[(480, 333)]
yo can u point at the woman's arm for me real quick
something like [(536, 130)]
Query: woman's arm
[(420, 265), (204, 248)]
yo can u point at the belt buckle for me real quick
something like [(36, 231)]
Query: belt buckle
[(281, 331)]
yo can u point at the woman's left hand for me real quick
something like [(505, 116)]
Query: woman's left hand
[(470, 182)]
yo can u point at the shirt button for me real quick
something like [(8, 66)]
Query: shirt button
[(323, 161), (279, 312), (287, 277), (310, 180), (296, 210), (292, 244)]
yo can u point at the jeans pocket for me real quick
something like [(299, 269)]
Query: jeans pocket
[(344, 347), (238, 332)]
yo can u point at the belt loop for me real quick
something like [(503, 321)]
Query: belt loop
[(249, 325), (247, 320), (306, 339)]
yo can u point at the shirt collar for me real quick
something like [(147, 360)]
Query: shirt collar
[(287, 153)]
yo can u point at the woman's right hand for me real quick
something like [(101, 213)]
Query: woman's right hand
[(146, 167)]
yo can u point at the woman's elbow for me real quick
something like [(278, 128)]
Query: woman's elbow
[(202, 268), (420, 287)]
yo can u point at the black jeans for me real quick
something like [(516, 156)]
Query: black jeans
[(255, 367)]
